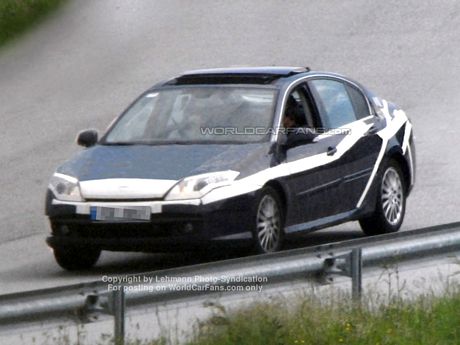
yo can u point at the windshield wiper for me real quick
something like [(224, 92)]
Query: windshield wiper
[(120, 143), (175, 142)]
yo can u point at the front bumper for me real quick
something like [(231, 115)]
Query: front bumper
[(173, 225)]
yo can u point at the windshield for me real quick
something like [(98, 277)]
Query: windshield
[(204, 114)]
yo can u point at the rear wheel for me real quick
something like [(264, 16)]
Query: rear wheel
[(269, 218), (74, 258), (390, 205)]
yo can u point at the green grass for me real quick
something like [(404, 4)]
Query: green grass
[(18, 15), (427, 320)]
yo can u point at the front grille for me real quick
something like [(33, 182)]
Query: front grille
[(124, 200)]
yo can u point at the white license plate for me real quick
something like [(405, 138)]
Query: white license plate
[(120, 213)]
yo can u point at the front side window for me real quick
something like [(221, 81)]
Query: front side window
[(299, 109), (197, 114), (333, 102)]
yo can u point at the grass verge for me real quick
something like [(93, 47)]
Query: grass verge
[(16, 16), (427, 320)]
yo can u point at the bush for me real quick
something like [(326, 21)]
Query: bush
[(18, 15), (427, 320)]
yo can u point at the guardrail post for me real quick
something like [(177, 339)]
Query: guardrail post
[(118, 305), (349, 265), (107, 303), (356, 264)]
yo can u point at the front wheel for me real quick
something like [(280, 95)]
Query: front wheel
[(72, 258), (390, 204), (269, 221)]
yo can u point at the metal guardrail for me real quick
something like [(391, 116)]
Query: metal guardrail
[(81, 301)]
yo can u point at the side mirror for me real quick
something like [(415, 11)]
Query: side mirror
[(87, 138)]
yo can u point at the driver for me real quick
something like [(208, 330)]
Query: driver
[(296, 133), (290, 120)]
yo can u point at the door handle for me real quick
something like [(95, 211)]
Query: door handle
[(331, 150)]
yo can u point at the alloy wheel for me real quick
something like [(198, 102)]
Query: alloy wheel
[(268, 223), (392, 196)]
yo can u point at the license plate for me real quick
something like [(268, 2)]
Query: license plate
[(120, 213)]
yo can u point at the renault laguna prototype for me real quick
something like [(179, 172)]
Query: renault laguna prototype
[(233, 156)]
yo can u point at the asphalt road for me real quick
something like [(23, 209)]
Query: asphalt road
[(80, 68)]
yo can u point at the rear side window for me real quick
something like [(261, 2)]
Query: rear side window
[(359, 102), (334, 103)]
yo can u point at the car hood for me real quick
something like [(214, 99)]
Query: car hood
[(127, 166)]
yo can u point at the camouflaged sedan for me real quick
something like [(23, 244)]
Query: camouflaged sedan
[(233, 156)]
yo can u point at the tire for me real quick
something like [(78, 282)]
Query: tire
[(76, 258), (268, 232), (390, 205)]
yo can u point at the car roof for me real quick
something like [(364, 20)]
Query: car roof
[(236, 75), (266, 75)]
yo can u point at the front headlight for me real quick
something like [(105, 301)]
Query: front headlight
[(196, 186), (65, 187)]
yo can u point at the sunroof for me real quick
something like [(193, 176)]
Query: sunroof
[(274, 70), (244, 75)]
